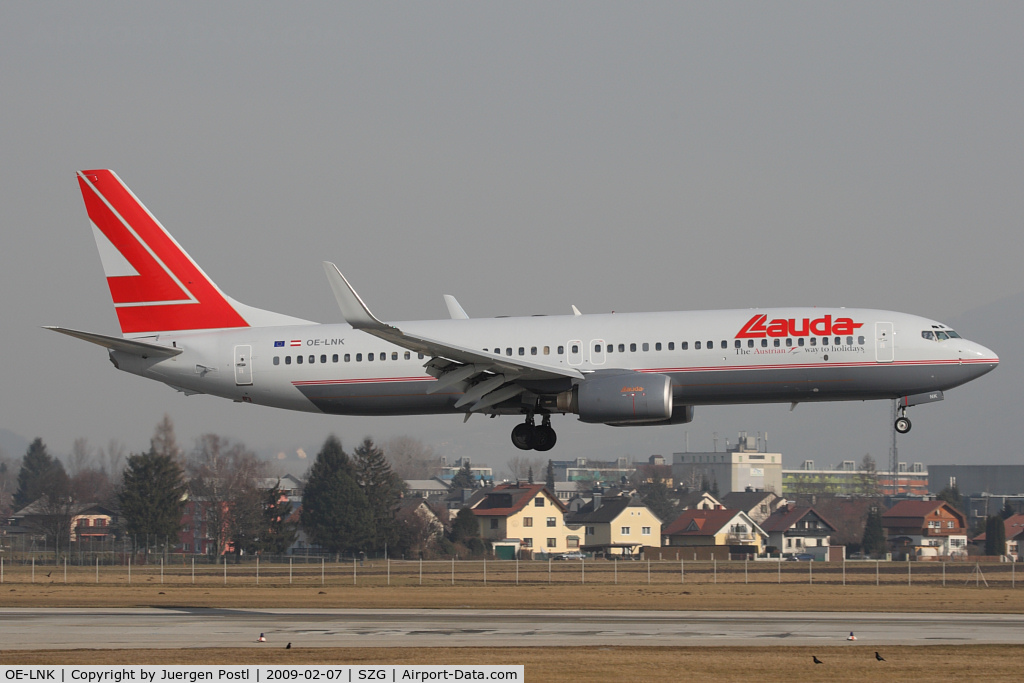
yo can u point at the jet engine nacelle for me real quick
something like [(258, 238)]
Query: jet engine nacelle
[(622, 398)]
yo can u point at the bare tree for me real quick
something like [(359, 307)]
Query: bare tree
[(55, 509), (410, 458), (81, 457), (519, 466), (112, 458), (222, 479)]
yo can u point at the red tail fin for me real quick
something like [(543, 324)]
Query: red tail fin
[(155, 285)]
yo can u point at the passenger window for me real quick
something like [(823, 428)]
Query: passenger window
[(575, 348), (789, 341), (498, 351), (671, 346), (750, 343), (394, 355), (359, 357), (657, 346), (334, 358), (849, 341), (860, 340), (824, 341), (408, 355), (838, 341), (814, 341), (323, 358), (312, 359), (764, 343), (420, 356), (711, 345), (597, 348), (547, 350), (776, 342), (800, 341), (696, 345), (508, 350), (738, 343), (725, 344), (287, 360), (277, 360), (609, 348), (622, 348), (646, 346), (369, 357), (382, 356), (522, 350), (533, 350), (561, 350), (298, 360), (632, 347), (348, 358)]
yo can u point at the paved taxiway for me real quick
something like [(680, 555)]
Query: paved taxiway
[(192, 628)]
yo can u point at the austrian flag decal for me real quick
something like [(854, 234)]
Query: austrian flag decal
[(759, 326)]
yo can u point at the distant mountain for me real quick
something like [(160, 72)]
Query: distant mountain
[(12, 445)]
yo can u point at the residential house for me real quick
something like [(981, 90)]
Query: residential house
[(528, 512), (426, 488), (1014, 526), (723, 528), (698, 500), (90, 523), (925, 528), (794, 530), (758, 504), (617, 526)]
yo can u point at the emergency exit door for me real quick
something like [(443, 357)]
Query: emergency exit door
[(243, 365)]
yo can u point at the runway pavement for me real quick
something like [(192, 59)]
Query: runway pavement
[(197, 628)]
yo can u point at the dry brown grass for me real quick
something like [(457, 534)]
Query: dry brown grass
[(556, 664), (661, 597)]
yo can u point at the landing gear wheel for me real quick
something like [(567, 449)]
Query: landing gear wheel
[(524, 436), (902, 425), (544, 438)]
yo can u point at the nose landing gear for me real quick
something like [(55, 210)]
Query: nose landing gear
[(527, 436), (902, 423)]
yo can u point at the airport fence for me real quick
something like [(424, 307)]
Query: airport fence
[(188, 570)]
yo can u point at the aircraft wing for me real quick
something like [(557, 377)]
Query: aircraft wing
[(496, 373)]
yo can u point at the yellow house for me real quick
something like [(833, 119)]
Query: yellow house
[(732, 528), (620, 525), (529, 513)]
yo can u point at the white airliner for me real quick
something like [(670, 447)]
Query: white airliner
[(619, 369)]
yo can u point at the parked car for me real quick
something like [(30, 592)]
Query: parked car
[(800, 557), (575, 555)]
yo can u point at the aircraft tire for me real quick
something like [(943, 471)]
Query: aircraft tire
[(544, 438), (524, 436), (902, 425)]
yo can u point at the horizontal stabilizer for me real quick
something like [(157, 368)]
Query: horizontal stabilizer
[(135, 348)]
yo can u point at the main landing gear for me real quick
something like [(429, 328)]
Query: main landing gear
[(528, 436), (902, 423)]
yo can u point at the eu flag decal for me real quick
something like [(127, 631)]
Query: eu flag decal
[(278, 343)]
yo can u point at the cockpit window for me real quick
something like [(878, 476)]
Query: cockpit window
[(940, 335), (927, 334), (952, 334)]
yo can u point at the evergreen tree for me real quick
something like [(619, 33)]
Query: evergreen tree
[(529, 476), (35, 467), (873, 541), (280, 533), (152, 498), (465, 526), (549, 477), (951, 494), (463, 479), (656, 495), (383, 491), (995, 536), (335, 512), (1007, 510)]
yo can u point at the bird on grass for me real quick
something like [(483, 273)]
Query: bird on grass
[(289, 646), (816, 660), (879, 657)]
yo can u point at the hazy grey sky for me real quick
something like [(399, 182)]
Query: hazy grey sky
[(523, 157)]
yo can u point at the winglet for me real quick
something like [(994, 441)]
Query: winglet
[(353, 309), (576, 311), (454, 309)]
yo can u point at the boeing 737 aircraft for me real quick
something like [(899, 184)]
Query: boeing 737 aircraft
[(621, 369)]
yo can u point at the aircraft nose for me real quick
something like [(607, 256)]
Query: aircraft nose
[(983, 358)]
